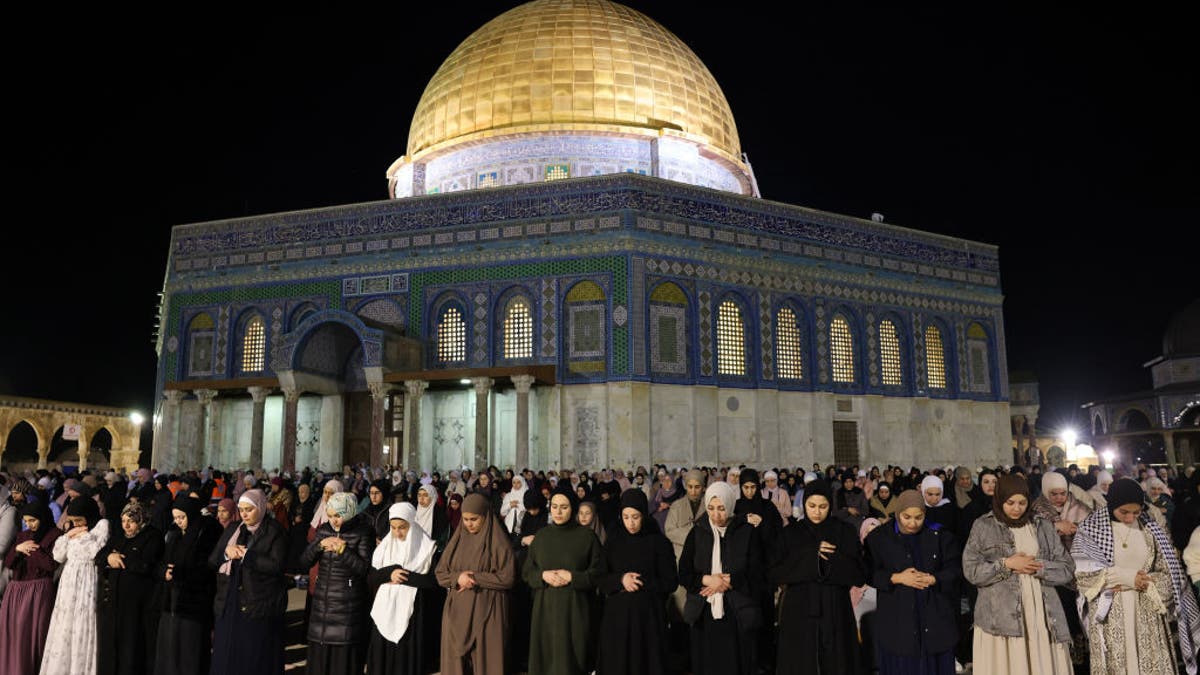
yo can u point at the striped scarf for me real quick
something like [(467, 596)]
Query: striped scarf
[(1094, 541)]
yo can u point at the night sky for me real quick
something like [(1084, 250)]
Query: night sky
[(1066, 137)]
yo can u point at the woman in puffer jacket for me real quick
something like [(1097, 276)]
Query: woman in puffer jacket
[(337, 627)]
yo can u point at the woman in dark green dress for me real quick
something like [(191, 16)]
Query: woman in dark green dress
[(564, 565)]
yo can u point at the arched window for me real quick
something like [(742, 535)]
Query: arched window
[(201, 334), (978, 370), (731, 339), (841, 350), (451, 336), (788, 351), (668, 330), (518, 329), (935, 358), (891, 366), (586, 340), (254, 345)]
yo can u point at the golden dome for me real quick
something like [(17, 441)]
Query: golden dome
[(572, 65)]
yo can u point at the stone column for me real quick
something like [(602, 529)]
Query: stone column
[(259, 394), (483, 386), (379, 394), (166, 449), (1169, 441), (43, 452), (412, 455), (522, 383), (291, 406), (82, 447), (200, 452)]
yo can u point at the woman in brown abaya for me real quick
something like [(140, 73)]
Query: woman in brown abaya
[(477, 569)]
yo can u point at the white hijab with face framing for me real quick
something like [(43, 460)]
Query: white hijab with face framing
[(393, 606)]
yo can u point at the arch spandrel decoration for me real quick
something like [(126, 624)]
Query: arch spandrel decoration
[(289, 349)]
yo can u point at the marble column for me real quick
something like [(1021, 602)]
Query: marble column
[(379, 394), (259, 394), (522, 383), (483, 386), (166, 446), (291, 407), (412, 457), (196, 458), (1169, 442), (82, 447)]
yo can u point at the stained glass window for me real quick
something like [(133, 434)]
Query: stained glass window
[(841, 349), (254, 346), (518, 330), (935, 358), (889, 354), (788, 354), (731, 342), (452, 336)]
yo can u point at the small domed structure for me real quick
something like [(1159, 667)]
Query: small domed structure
[(566, 88)]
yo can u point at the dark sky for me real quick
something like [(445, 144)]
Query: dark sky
[(1065, 136)]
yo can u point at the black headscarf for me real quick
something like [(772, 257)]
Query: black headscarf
[(191, 507), (747, 476), (636, 499), (819, 488), (85, 507), (891, 492), (36, 509), (1122, 492), (533, 499)]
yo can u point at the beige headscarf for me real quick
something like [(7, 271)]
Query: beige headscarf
[(728, 495)]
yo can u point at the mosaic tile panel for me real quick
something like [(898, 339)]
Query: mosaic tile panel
[(766, 333), (480, 351), (920, 376), (822, 332), (222, 349), (704, 300), (637, 280), (549, 318), (385, 311), (873, 365), (586, 331), (668, 339)]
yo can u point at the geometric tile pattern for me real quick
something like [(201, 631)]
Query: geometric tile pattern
[(704, 299), (222, 339), (765, 332), (822, 343), (668, 339), (481, 327), (549, 317), (637, 306)]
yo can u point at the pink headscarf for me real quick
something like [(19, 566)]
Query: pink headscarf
[(319, 517)]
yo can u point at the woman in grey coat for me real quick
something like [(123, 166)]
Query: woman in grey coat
[(1015, 558)]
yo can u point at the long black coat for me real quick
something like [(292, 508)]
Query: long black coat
[(817, 631), (189, 594), (726, 646), (917, 622), (636, 622), (340, 602), (262, 593), (127, 618)]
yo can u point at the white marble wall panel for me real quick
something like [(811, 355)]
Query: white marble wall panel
[(330, 443), (272, 433), (672, 439)]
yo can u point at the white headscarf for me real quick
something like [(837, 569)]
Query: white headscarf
[(393, 607), (425, 513), (513, 514), (934, 482), (728, 496)]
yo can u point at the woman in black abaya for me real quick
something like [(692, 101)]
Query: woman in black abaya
[(641, 564), (822, 560), (127, 621), (187, 585)]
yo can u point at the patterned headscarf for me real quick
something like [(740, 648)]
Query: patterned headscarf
[(344, 504), (137, 513), (1093, 547)]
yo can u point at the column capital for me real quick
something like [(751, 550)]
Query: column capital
[(381, 389), (173, 396), (482, 385), (205, 396), (290, 394), (259, 394), (523, 383), (415, 388)]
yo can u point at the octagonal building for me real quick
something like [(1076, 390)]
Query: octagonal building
[(575, 269)]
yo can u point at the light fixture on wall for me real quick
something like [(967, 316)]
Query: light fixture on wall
[(464, 381)]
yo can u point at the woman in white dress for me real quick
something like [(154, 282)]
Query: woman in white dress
[(71, 642), (512, 505), (1016, 559), (1132, 584)]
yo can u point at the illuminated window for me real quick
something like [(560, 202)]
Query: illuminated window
[(489, 179), (935, 358), (254, 346), (518, 330), (889, 354), (787, 333), (731, 343), (841, 348), (451, 336), (558, 171)]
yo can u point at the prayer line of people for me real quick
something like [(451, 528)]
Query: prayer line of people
[(695, 573)]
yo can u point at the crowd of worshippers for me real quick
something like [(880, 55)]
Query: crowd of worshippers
[(666, 570)]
